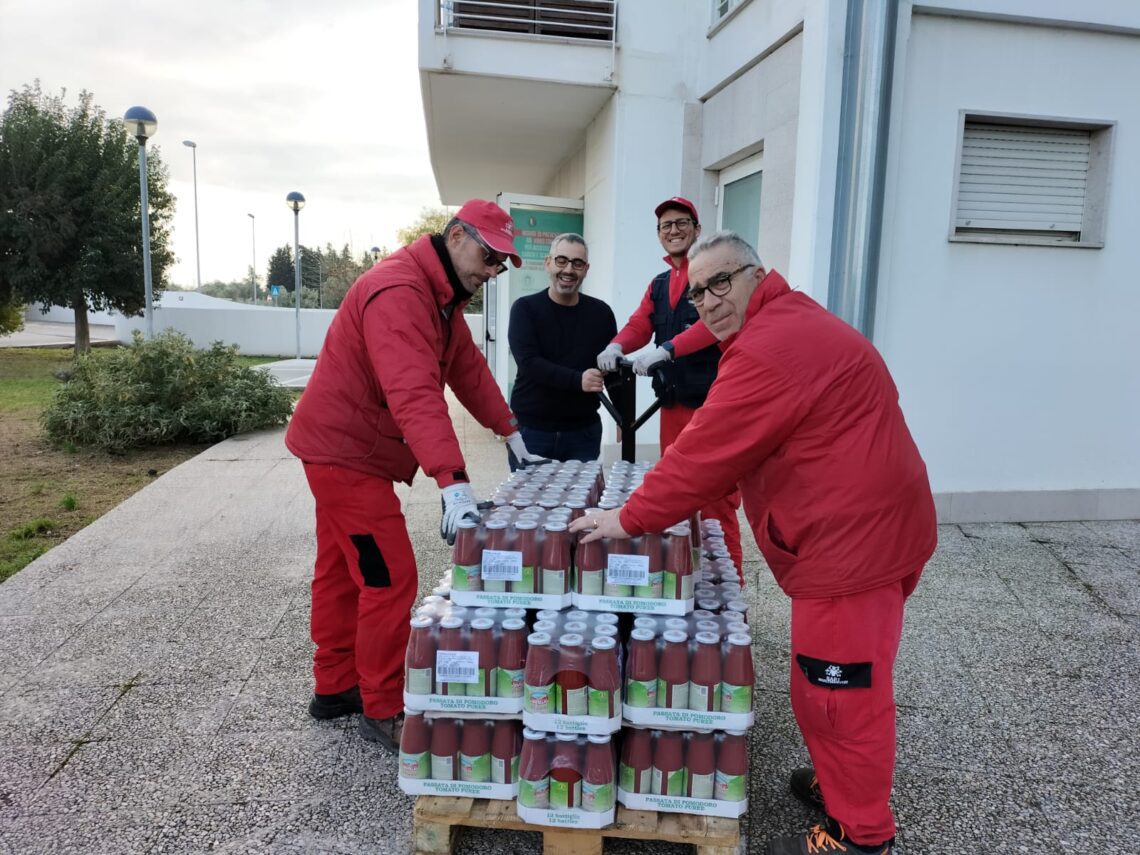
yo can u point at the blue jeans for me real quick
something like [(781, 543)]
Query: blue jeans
[(578, 444)]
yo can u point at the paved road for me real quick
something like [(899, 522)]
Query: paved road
[(155, 675)]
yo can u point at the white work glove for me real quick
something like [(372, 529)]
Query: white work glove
[(458, 503), (644, 362), (607, 359), (523, 458)]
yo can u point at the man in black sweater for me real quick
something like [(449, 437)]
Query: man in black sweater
[(555, 336)]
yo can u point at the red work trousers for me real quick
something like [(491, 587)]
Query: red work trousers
[(364, 584), (842, 689), (673, 421)]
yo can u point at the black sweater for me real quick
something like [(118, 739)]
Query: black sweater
[(552, 345)]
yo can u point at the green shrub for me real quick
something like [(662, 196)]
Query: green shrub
[(163, 391)]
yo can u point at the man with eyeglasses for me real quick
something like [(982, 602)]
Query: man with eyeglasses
[(805, 416), (684, 350), (554, 336), (372, 414)]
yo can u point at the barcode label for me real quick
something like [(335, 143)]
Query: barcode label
[(457, 666), (627, 570), (500, 565)]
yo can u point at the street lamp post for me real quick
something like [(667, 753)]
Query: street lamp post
[(253, 267), (375, 255), (296, 201), (193, 146), (141, 123)]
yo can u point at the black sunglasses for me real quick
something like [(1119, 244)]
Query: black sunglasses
[(490, 257)]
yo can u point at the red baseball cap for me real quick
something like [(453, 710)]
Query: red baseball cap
[(677, 202), (494, 225)]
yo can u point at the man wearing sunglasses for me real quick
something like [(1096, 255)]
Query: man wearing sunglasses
[(554, 336), (684, 350), (805, 416), (372, 414)]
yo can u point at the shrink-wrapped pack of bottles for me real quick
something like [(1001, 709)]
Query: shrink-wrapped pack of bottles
[(567, 780), (700, 771), (456, 757)]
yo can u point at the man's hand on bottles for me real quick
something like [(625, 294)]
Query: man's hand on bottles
[(458, 501)]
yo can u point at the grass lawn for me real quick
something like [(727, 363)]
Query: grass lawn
[(48, 493)]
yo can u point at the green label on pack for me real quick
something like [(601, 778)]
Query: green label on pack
[(495, 585), (418, 681), (704, 698), (597, 797), (701, 786), (633, 781), (735, 699), (671, 784), (669, 585), (600, 703), (415, 765), (610, 590), (574, 702), (478, 688), (641, 693), (534, 794), (652, 590), (475, 768), (675, 697), (465, 577), (525, 585), (591, 582), (729, 788), (509, 683), (564, 795), (539, 699)]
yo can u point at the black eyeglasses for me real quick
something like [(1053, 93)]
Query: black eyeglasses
[(490, 257), (680, 224), (720, 285), (561, 261)]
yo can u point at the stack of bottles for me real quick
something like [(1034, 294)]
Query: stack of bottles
[(463, 660), (567, 779), (572, 681), (473, 758), (687, 772), (693, 672)]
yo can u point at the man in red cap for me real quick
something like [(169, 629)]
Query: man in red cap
[(684, 348), (372, 414)]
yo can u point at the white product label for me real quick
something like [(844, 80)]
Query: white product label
[(627, 570), (457, 666), (500, 565), (701, 785)]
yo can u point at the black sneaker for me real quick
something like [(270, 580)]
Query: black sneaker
[(344, 703), (386, 731), (805, 787), (828, 836)]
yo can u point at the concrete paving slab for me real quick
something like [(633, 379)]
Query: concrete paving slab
[(173, 632)]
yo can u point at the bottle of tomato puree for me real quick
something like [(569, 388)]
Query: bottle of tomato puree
[(678, 584), (538, 686), (704, 676), (419, 662), (668, 764), (475, 752), (604, 678), (731, 767), (555, 559), (700, 765), (467, 555), (444, 749), (526, 542), (497, 539), (566, 773), (695, 538), (483, 642), (415, 746), (591, 563), (641, 669), (534, 770), (650, 546), (636, 760), (573, 695), (738, 675), (673, 671), (509, 674), (450, 639), (598, 779), (615, 546), (505, 746)]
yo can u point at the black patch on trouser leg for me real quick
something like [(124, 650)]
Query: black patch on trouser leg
[(835, 675), (371, 561)]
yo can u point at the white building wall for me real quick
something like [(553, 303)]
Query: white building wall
[(1017, 366)]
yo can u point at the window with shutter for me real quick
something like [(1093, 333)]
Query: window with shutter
[(1021, 181)]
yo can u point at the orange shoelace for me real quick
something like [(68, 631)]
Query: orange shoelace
[(819, 839)]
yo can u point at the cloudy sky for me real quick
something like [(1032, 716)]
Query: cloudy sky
[(279, 95)]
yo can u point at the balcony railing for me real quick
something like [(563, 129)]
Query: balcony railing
[(595, 20)]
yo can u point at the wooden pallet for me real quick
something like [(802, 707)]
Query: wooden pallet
[(437, 820)]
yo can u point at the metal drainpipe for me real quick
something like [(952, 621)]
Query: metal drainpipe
[(864, 119)]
